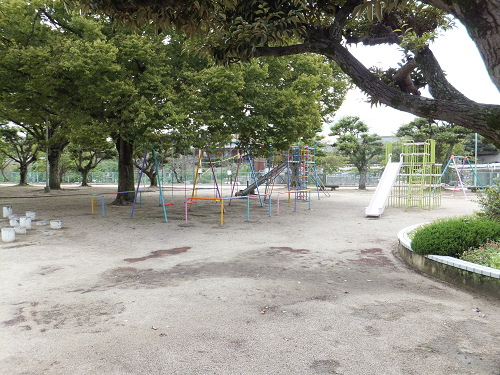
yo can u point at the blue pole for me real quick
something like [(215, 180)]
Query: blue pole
[(475, 174), (442, 174)]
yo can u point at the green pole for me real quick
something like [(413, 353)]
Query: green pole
[(475, 175)]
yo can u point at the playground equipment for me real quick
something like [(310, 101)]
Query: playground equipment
[(417, 184), (413, 182), (162, 201), (299, 162), (384, 187), (453, 160)]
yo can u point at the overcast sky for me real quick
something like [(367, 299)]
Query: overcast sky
[(458, 57)]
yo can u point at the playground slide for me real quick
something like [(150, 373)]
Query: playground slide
[(273, 172), (383, 190)]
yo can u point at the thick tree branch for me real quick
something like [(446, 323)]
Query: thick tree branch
[(57, 23), (403, 78), (439, 87), (481, 118)]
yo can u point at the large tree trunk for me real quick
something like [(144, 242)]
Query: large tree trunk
[(125, 172), (54, 170), (362, 179), (85, 176), (178, 177), (152, 178), (23, 172), (482, 21)]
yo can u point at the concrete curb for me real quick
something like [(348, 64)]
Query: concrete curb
[(470, 276)]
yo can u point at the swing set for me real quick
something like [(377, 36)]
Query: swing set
[(464, 159)]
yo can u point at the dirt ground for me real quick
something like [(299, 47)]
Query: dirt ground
[(318, 291)]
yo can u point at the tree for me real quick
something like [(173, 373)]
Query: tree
[(51, 61), (327, 161), (484, 146), (356, 144), (50, 64), (86, 158), (241, 30), (5, 162), (446, 135), (266, 102), (21, 147)]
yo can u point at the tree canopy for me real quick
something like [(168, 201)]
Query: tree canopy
[(356, 144), (90, 80), (241, 30), (20, 146), (445, 134)]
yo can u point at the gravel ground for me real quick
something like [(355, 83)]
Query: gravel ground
[(320, 291)]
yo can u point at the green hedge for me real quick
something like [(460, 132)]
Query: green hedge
[(454, 236)]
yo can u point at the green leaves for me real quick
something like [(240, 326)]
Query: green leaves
[(369, 7), (446, 135), (355, 143)]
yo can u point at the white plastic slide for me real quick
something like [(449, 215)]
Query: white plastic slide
[(383, 190)]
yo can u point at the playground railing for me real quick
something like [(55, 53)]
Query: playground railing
[(292, 192), (247, 197), (117, 192)]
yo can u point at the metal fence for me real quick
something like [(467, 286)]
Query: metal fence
[(350, 178), (112, 177)]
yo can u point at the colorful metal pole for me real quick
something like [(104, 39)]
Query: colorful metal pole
[(161, 192), (215, 177), (236, 177), (442, 174), (254, 178), (139, 183), (196, 176), (460, 178), (473, 171)]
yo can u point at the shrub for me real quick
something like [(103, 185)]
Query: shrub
[(489, 201), (454, 236)]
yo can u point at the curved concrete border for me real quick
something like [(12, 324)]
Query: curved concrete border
[(471, 276)]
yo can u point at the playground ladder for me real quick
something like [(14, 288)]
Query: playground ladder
[(302, 170)]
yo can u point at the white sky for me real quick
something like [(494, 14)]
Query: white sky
[(458, 57)]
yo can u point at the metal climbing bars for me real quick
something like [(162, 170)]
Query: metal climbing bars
[(417, 184)]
